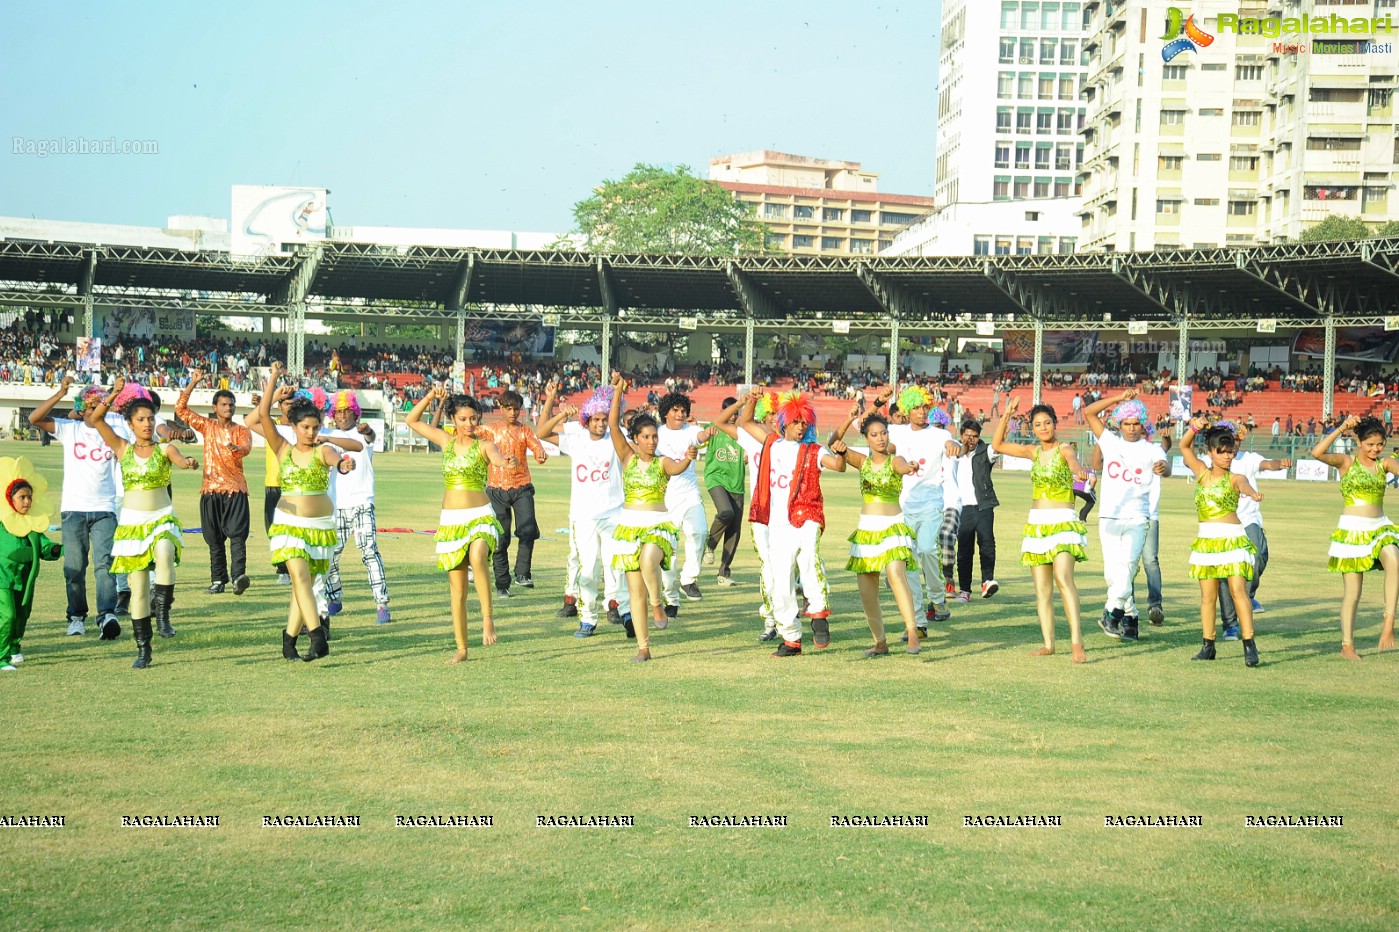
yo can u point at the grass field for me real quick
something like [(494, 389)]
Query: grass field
[(542, 724)]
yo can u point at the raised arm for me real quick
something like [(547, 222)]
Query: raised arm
[(430, 432), (614, 420), (96, 418), (839, 432), (1241, 484), (853, 457), (549, 426), (1187, 447), (1095, 423), (745, 417), (1338, 460), (182, 411), (999, 443), (1071, 458), (725, 420), (39, 417)]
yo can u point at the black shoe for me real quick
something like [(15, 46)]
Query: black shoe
[(215, 588), (1156, 616), (141, 631), (613, 616), (691, 592), (123, 603), (319, 648), (1206, 650), (769, 634), (922, 633), (241, 584), (569, 609), (821, 631), (788, 649), (111, 628), (1111, 623), (162, 597), (626, 623), (525, 582), (289, 651), (1130, 624), (502, 593), (672, 611), (1250, 653)]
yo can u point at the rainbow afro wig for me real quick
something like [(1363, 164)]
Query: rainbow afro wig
[(796, 406), (316, 396), (89, 397), (765, 407), (1134, 410), (343, 401)]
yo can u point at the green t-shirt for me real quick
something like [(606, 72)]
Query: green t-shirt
[(724, 463)]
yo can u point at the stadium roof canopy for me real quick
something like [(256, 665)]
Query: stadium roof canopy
[(1297, 284)]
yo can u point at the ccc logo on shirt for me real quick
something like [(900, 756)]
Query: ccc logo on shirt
[(582, 473), (94, 454), (728, 455), (1119, 470)]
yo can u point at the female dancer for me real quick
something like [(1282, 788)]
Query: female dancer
[(1365, 538), (1222, 550), (467, 529), (882, 542), (302, 534), (645, 539), (1054, 536), (148, 533)]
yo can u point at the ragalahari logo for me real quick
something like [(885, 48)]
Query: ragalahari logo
[(1182, 35)]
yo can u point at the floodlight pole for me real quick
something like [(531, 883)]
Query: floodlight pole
[(610, 309), (607, 349), (1039, 357), (748, 351), (894, 348), (456, 301), (86, 278), (460, 365), (1328, 364), (1183, 349)]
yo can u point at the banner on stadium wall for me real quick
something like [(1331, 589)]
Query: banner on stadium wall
[(1061, 347), (504, 337), (89, 353), (1365, 344), (143, 323), (1181, 398), (267, 217)]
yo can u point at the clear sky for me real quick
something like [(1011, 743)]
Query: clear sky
[(437, 114)]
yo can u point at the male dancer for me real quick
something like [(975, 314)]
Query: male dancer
[(223, 499), (511, 490), (723, 478), (353, 493), (682, 498), (787, 499), (1131, 466), (977, 527), (1248, 464)]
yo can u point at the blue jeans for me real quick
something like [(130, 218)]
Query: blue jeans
[(1228, 614), (81, 529), (1151, 562)]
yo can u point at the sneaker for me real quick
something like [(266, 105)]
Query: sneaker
[(1258, 608), (989, 588), (77, 627), (691, 592), (283, 579), (217, 588), (950, 589), (671, 611), (821, 632), (726, 582), (241, 584), (585, 630), (788, 649), (383, 617), (111, 628), (570, 608), (1156, 616), (769, 634), (627, 623), (922, 633), (502, 593), (1111, 624), (16, 659), (939, 614), (1231, 632), (708, 556), (613, 616), (1130, 624), (334, 608), (526, 582), (964, 596), (9, 668)]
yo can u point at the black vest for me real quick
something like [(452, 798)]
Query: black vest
[(981, 477)]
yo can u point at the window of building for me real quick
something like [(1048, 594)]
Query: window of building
[(1064, 125), (1005, 85), (1043, 153), (1242, 208), (1008, 14), (1248, 72), (831, 242), (981, 246), (1007, 50), (861, 216), (1002, 155), (1333, 144), (1049, 17), (1167, 206), (861, 246), (1335, 95), (1316, 192), (1003, 119), (1003, 245), (890, 218), (803, 241), (1022, 188), (1243, 163), (1044, 246), (1027, 85), (1044, 122), (1029, 16), (1170, 163), (1173, 72), (1022, 155), (1247, 118), (1211, 111), (1032, 216), (1042, 187), (1063, 157), (885, 244), (832, 213), (1172, 117), (1047, 83), (1000, 188), (1069, 19), (1207, 157), (1068, 87), (776, 239), (1062, 187), (1047, 50), (1068, 52), (775, 211), (1067, 245), (1027, 51), (1375, 196), (1206, 202), (1213, 66), (803, 212), (1024, 245), (1024, 121)]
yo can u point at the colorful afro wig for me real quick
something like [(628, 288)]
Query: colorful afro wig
[(765, 407), (1129, 410), (938, 417), (316, 396), (89, 397), (914, 396), (796, 406), (600, 402), (343, 401), (129, 393)]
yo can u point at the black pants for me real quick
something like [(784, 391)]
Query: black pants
[(225, 518), (271, 495), (727, 523), (521, 502), (979, 529)]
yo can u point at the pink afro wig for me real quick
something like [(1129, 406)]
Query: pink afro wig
[(599, 403), (343, 401), (129, 393), (316, 396)]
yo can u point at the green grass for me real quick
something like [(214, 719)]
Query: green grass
[(542, 724)]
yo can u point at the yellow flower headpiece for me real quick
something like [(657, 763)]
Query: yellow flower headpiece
[(40, 512)]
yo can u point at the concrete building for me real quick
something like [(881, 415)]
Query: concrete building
[(1241, 137), (1009, 115), (817, 206)]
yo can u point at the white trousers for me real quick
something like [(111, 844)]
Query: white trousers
[(926, 523), (759, 536), (693, 532), (1122, 543), (593, 540), (795, 553)]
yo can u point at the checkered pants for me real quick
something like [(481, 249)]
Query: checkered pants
[(947, 537), (359, 522)]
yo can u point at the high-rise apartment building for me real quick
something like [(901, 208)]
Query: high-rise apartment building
[(817, 206), (1010, 76), (1248, 134)]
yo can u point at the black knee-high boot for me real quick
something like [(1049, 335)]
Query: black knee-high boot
[(141, 631), (319, 648), (162, 598)]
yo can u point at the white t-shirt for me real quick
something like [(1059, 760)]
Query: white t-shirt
[(925, 450), (683, 492), (89, 468), (753, 453), (951, 491), (966, 488), (1127, 478), (354, 488), (1247, 463), (597, 473), (784, 466)]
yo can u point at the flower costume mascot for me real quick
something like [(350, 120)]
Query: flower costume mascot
[(148, 533), (25, 512)]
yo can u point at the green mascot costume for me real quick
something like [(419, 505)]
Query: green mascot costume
[(25, 511)]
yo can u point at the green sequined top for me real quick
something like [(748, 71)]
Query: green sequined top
[(153, 474), (880, 483), (311, 479), (465, 471), (644, 483), (1051, 481), (1214, 500), (1359, 486)]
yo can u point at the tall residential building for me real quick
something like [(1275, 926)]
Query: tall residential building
[(1010, 76), (1248, 134), (817, 206)]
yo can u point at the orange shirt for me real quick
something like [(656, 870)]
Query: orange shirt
[(512, 441), (223, 465)]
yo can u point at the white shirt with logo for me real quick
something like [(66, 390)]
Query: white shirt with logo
[(683, 492), (597, 473), (783, 461), (925, 450), (1127, 479), (753, 453), (1247, 464), (89, 468), (353, 489)]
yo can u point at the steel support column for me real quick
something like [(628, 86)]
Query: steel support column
[(606, 350), (1039, 358), (456, 301), (609, 301), (293, 294), (86, 277), (748, 352), (1328, 368), (894, 349), (1183, 349)]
